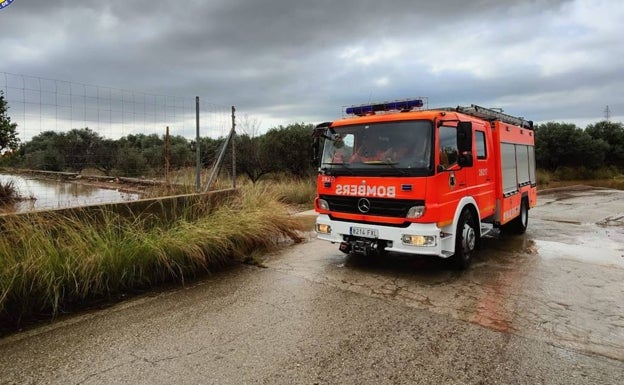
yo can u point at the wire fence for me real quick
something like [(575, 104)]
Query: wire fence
[(77, 130)]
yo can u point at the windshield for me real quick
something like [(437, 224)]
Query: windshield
[(397, 148)]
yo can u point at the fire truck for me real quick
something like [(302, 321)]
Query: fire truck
[(400, 177)]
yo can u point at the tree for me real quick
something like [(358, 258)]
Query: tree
[(8, 133), (565, 145), (290, 148), (180, 152), (130, 162), (105, 156), (79, 148), (254, 158), (612, 134), (42, 152), (209, 149)]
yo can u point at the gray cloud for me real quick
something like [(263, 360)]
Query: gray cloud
[(288, 61)]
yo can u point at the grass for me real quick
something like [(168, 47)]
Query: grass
[(51, 262), (8, 192), (605, 177), (299, 192)]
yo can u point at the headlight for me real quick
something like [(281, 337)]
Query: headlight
[(322, 204), (323, 229), (416, 212)]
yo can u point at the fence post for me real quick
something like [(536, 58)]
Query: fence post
[(167, 157), (217, 166), (233, 147), (197, 148)]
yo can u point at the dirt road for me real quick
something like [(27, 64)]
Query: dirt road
[(544, 308)]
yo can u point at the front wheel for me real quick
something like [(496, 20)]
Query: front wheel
[(465, 240)]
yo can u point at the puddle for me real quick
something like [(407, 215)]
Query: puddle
[(582, 253)]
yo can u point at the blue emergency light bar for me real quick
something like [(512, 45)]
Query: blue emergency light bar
[(403, 105)]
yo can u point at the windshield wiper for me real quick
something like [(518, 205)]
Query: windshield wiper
[(344, 166), (386, 162)]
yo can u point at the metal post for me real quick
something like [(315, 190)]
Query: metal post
[(197, 148), (233, 147), (167, 156)]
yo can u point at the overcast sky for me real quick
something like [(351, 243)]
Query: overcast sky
[(289, 61)]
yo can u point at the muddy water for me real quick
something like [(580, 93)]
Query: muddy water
[(42, 194), (562, 282)]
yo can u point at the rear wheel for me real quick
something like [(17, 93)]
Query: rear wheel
[(519, 224), (465, 240)]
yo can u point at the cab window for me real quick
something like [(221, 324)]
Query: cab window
[(481, 147)]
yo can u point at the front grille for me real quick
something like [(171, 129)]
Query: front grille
[(383, 207)]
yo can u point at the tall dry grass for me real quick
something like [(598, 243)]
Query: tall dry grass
[(609, 177), (52, 262)]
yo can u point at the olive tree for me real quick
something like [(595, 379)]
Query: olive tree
[(8, 133)]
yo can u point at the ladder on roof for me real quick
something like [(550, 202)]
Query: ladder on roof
[(491, 115)]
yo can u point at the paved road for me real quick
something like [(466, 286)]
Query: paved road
[(544, 308)]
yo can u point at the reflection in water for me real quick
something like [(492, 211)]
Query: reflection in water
[(49, 194)]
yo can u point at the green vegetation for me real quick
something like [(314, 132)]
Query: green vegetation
[(563, 151), (51, 262), (566, 152), (8, 134), (280, 150)]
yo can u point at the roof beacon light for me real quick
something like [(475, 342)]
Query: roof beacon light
[(403, 105)]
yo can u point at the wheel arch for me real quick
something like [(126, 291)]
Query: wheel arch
[(466, 202)]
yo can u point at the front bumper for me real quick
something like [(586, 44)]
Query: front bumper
[(392, 237)]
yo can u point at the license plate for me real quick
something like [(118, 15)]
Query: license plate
[(364, 232)]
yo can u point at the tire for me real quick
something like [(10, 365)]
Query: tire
[(519, 224), (466, 238)]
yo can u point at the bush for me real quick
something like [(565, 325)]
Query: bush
[(130, 162)]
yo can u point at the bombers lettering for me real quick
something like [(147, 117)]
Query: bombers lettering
[(364, 190)]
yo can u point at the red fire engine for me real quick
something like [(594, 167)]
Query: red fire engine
[(403, 178)]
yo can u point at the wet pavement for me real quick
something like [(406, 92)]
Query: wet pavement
[(562, 282), (543, 308)]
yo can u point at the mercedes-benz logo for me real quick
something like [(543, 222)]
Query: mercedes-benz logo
[(364, 205)]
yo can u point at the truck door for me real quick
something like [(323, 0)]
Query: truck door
[(450, 179), (484, 170)]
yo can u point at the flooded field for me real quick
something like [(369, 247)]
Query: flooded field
[(44, 194)]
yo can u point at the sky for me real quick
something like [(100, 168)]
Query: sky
[(289, 61)]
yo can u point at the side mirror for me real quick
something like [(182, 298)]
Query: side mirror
[(464, 144)]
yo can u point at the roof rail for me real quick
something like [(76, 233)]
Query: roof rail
[(490, 115)]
